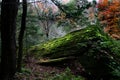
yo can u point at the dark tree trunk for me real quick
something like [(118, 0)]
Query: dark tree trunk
[(9, 10), (21, 35)]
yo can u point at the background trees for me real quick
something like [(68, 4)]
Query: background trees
[(109, 15)]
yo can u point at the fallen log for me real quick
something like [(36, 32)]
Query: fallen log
[(54, 61)]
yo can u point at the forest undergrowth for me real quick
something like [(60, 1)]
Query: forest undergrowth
[(34, 71)]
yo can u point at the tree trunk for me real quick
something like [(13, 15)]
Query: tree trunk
[(21, 35), (9, 10)]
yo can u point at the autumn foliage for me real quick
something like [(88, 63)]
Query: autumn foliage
[(109, 16)]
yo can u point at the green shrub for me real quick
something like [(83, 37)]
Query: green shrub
[(67, 75)]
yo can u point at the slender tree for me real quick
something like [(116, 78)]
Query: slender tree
[(9, 10), (46, 16), (21, 35)]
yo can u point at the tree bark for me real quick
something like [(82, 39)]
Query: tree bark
[(9, 10), (21, 36)]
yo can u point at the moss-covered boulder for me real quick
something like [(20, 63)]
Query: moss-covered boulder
[(74, 43), (96, 51)]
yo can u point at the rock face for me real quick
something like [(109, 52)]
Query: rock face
[(90, 46)]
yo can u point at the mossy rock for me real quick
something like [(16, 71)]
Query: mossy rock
[(87, 46), (74, 43)]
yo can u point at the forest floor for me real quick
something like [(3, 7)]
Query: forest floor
[(33, 71)]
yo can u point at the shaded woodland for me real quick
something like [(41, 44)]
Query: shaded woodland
[(60, 40)]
